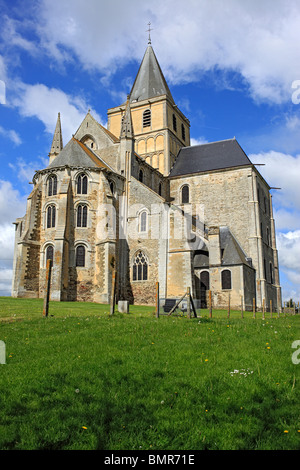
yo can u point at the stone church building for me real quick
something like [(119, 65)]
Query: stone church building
[(138, 200)]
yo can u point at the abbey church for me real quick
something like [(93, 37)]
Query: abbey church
[(138, 204)]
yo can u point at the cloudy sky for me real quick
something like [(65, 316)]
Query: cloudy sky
[(233, 67)]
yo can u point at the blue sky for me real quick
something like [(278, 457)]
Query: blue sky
[(233, 68)]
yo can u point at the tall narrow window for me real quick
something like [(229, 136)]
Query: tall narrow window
[(82, 183), (143, 222), (112, 187), (141, 176), (147, 118), (174, 123), (82, 215), (52, 185), (182, 132), (49, 253), (271, 274), (160, 189), (226, 279), (185, 194), (80, 256), (51, 214), (140, 267)]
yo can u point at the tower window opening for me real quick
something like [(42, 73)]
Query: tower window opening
[(174, 123), (182, 132), (147, 118)]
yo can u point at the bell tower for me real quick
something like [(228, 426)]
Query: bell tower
[(160, 129)]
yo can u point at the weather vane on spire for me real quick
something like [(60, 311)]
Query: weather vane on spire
[(148, 30)]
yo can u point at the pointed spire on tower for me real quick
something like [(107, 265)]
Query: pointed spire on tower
[(150, 81), (57, 143), (126, 126)]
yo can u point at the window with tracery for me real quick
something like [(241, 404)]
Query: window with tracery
[(82, 215), (52, 185), (51, 216), (140, 267), (82, 184)]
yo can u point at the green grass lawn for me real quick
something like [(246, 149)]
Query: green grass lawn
[(81, 379)]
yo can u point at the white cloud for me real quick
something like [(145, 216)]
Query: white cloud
[(11, 135), (282, 171), (288, 245), (259, 40), (12, 206), (199, 141), (44, 103)]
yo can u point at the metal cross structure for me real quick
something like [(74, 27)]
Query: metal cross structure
[(148, 30)]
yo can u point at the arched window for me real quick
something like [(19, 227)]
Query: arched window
[(174, 123), (182, 132), (80, 256), (147, 118), (185, 194), (141, 176), (271, 274), (51, 215), (143, 222), (82, 215), (112, 187), (160, 189), (226, 279), (204, 280), (52, 185), (82, 184), (140, 267), (49, 253)]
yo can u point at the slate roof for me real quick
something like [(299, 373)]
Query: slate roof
[(208, 157), (75, 153), (150, 81), (232, 253)]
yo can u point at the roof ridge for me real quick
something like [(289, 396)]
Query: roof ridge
[(209, 143)]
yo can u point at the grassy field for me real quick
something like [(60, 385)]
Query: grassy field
[(81, 379)]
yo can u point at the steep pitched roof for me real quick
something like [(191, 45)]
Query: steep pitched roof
[(75, 153), (232, 253), (150, 81), (208, 157)]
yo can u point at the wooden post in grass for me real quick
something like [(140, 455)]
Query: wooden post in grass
[(254, 308), (242, 307), (263, 309), (188, 294), (228, 310), (157, 300), (47, 292), (113, 293), (210, 303)]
